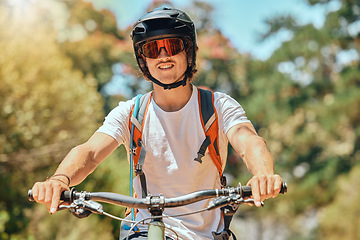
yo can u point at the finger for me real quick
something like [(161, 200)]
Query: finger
[(41, 194), (270, 187), (249, 182), (55, 199), (277, 185), (48, 197), (35, 192), (48, 194), (255, 188), (263, 187)]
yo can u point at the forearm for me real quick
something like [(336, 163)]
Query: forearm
[(252, 149), (83, 159), (257, 157), (78, 164)]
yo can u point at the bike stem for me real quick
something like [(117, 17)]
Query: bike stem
[(157, 207), (157, 227)]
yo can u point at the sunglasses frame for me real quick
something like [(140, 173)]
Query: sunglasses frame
[(183, 43)]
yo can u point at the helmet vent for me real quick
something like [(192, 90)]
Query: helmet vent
[(176, 24), (139, 29), (175, 15)]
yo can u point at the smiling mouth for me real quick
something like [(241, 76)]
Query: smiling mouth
[(165, 66)]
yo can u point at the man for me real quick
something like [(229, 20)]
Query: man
[(165, 48)]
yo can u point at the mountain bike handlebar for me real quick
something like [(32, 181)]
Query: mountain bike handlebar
[(82, 204), (145, 203)]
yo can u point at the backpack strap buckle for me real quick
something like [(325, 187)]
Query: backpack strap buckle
[(203, 147), (223, 180), (199, 157), (223, 235), (138, 169)]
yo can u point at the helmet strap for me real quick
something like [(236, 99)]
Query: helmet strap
[(169, 86)]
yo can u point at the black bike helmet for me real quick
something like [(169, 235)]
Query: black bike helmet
[(162, 23)]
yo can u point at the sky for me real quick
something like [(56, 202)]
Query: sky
[(241, 21)]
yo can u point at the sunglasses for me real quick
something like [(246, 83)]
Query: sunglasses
[(172, 46)]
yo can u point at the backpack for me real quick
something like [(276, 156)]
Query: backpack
[(209, 123)]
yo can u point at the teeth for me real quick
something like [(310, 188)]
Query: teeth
[(165, 66)]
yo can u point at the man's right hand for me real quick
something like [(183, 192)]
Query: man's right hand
[(48, 193)]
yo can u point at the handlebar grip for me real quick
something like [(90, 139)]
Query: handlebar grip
[(283, 189), (246, 190), (30, 196), (65, 196)]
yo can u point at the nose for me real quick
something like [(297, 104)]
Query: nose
[(163, 54)]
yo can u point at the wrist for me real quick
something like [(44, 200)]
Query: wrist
[(63, 178)]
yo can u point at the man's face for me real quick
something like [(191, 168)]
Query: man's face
[(165, 68)]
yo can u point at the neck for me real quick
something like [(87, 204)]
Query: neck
[(174, 99)]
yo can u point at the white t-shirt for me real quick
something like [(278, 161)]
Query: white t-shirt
[(172, 140)]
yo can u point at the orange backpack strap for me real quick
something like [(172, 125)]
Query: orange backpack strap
[(138, 152), (210, 125), (136, 120)]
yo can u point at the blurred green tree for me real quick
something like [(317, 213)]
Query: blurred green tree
[(304, 100), (47, 107), (340, 219), (93, 41)]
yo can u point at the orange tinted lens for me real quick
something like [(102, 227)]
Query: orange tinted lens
[(172, 46), (150, 49)]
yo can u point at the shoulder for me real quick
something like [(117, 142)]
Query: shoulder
[(229, 111), (123, 109), (223, 100), (116, 123)]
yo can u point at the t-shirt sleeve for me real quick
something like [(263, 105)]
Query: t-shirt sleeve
[(116, 123), (229, 111)]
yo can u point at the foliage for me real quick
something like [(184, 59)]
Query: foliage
[(100, 44), (304, 100), (335, 218), (95, 44), (46, 108)]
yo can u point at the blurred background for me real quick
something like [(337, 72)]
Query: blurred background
[(293, 65)]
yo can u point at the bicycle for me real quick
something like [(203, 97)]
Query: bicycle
[(83, 203)]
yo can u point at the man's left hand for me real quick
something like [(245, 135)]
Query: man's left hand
[(264, 187)]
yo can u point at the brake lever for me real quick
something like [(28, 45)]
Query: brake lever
[(93, 206), (81, 208), (233, 201), (251, 201), (66, 207)]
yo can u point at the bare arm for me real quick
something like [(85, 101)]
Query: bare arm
[(77, 165), (83, 159), (258, 160)]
